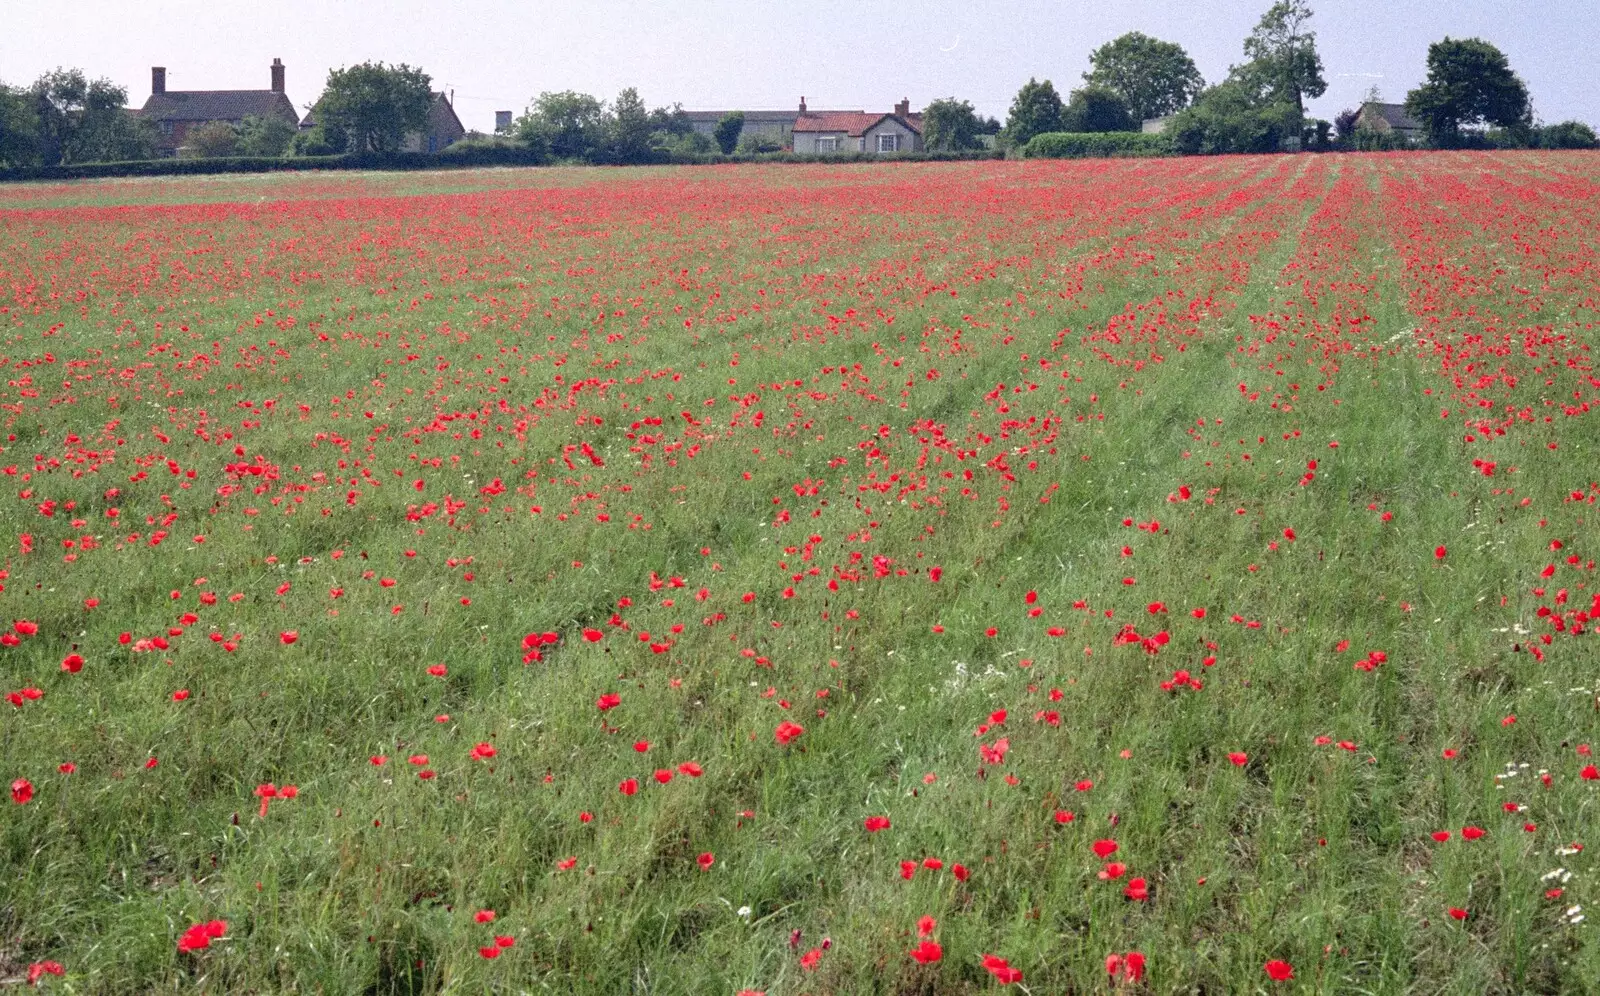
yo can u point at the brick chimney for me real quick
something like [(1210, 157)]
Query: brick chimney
[(277, 75), (158, 79), (903, 108), (802, 105)]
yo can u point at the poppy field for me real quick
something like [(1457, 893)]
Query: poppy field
[(1170, 576)]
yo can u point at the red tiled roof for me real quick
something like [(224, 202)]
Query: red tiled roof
[(853, 124)]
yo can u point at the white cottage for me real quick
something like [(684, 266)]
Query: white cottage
[(854, 131)]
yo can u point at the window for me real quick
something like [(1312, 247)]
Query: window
[(828, 144), (889, 143)]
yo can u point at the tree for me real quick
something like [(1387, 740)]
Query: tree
[(630, 129), (265, 136), (672, 120), (1283, 65), (1035, 110), (77, 119), (212, 140), (950, 125), (1154, 77), (1229, 118), (1344, 125), (375, 104), (1097, 109), (1470, 82), (727, 131), (323, 138), (566, 125), (19, 128), (1567, 135)]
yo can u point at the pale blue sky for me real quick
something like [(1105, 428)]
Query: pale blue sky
[(755, 54)]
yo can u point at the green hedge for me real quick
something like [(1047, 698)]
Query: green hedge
[(1096, 145), (449, 159)]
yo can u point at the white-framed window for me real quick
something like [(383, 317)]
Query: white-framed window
[(829, 143), (889, 142)]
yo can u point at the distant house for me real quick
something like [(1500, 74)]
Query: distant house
[(855, 131), (441, 130), (1156, 126), (776, 125), (812, 132), (175, 112), (1390, 119)]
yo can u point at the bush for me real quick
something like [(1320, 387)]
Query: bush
[(755, 143), (1229, 119), (1567, 135), (1096, 145), (212, 140)]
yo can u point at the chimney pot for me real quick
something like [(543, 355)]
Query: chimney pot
[(277, 75), (802, 105), (158, 79)]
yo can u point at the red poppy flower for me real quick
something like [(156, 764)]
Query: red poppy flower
[(1001, 970), (787, 731), (1104, 848), (21, 791), (875, 823), (705, 861), (927, 952), (1279, 971)]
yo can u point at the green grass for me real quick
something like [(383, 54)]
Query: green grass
[(889, 326)]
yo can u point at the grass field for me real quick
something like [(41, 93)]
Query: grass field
[(920, 579)]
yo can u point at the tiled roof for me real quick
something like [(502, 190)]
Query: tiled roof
[(1395, 115), (852, 123), (784, 117), (217, 105)]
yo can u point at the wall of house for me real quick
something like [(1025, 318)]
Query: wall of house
[(805, 142), (441, 131), (910, 141)]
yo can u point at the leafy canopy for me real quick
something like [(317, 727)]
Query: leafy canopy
[(211, 140), (1154, 77), (375, 104), (1230, 118), (265, 136), (1470, 82), (78, 120), (1097, 109), (1035, 110), (1283, 65), (950, 125), (727, 131)]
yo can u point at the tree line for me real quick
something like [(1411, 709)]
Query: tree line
[(1471, 97)]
